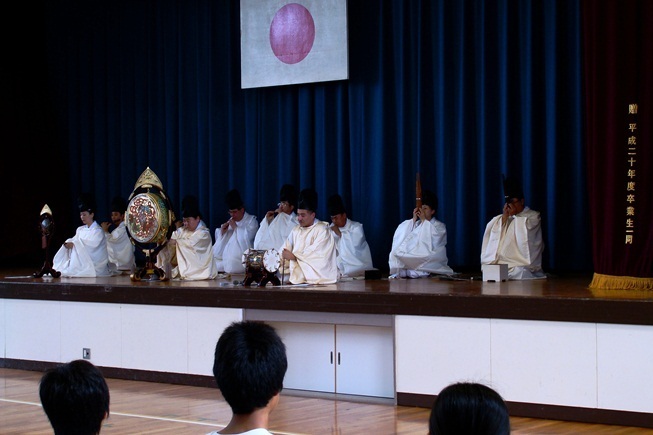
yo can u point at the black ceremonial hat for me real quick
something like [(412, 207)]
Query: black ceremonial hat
[(429, 198), (288, 193), (335, 205), (308, 200), (86, 202), (119, 204), (233, 200), (190, 206), (512, 189)]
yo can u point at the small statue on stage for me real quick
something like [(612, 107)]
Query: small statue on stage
[(150, 223), (46, 228)]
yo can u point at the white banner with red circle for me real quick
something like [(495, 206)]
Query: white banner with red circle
[(290, 42)]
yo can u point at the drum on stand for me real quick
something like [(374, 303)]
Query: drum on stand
[(150, 223), (261, 266)]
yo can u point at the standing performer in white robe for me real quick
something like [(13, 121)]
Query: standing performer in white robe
[(309, 253), (419, 245), (515, 237), (235, 236), (188, 254), (85, 254), (353, 254), (277, 224), (119, 246)]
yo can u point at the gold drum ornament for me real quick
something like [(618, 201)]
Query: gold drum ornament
[(148, 218)]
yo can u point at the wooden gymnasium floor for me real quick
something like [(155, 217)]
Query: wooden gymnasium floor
[(153, 408)]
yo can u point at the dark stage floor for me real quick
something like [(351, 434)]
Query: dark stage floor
[(557, 298)]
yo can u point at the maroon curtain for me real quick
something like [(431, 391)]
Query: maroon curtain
[(618, 70)]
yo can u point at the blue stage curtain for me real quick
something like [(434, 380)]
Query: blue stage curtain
[(618, 37), (459, 91)]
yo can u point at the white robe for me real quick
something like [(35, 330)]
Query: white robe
[(192, 258), (88, 257), (120, 249), (419, 249), (517, 244), (315, 250), (274, 234), (229, 247), (352, 251)]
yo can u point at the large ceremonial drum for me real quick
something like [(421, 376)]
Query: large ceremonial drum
[(150, 222), (148, 218)]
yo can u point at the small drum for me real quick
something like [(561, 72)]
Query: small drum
[(261, 266), (271, 260), (148, 218), (253, 259)]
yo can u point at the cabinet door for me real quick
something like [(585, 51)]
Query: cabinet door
[(310, 350), (365, 361)]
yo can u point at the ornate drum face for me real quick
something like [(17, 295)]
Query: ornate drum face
[(147, 218), (271, 260), (253, 259)]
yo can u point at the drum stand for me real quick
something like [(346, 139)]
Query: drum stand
[(47, 264), (150, 272)]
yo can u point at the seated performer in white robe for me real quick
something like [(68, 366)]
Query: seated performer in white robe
[(119, 246), (515, 237), (278, 223), (309, 253), (188, 253), (235, 236), (419, 245), (353, 254), (85, 254)]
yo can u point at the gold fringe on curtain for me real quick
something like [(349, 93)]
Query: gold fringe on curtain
[(611, 282)]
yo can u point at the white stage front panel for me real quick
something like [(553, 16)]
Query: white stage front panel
[(545, 362), (433, 352), (625, 367)]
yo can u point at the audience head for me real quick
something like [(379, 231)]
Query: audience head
[(249, 367), (75, 397), (471, 409)]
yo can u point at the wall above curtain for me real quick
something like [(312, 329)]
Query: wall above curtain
[(460, 91)]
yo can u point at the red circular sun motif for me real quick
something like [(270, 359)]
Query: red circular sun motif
[(292, 33)]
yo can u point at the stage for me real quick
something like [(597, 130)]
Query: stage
[(558, 298), (517, 335)]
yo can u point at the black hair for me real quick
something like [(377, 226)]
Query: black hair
[(233, 200), (288, 193), (119, 204), (431, 199), (190, 207), (250, 364), (307, 200), (86, 202), (471, 409), (336, 205), (75, 397)]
